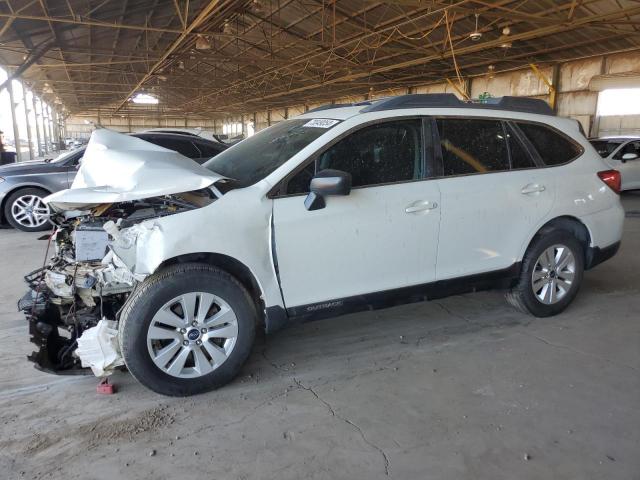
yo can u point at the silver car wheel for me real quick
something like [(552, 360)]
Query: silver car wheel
[(192, 335), (553, 274), (30, 211)]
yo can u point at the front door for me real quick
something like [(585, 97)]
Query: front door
[(380, 237)]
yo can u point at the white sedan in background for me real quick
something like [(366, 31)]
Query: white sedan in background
[(622, 154)]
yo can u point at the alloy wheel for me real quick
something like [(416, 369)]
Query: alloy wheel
[(553, 274), (192, 335), (30, 211)]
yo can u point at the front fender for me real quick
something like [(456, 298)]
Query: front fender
[(238, 228)]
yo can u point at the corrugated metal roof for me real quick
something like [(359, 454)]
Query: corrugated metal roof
[(271, 53)]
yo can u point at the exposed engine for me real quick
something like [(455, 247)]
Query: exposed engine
[(85, 281)]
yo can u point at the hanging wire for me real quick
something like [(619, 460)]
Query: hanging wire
[(453, 53)]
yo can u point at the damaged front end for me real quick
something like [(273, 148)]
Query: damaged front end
[(122, 187), (74, 301)]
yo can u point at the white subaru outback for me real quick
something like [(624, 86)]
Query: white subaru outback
[(169, 267)]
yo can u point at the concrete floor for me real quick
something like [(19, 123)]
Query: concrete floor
[(461, 388)]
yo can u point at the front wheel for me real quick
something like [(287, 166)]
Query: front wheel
[(187, 330), (551, 274)]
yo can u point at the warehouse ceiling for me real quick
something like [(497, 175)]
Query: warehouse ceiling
[(209, 58)]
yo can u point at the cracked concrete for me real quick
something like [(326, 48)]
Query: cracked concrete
[(349, 422), (461, 388), (578, 351)]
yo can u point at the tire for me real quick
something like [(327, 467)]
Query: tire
[(35, 220), (564, 282), (154, 302)]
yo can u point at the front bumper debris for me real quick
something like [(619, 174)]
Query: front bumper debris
[(52, 354)]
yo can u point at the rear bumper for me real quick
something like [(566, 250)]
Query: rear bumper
[(605, 227), (597, 255)]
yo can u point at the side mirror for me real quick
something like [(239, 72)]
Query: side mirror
[(326, 183), (629, 156)]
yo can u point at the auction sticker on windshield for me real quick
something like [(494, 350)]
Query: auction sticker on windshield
[(321, 123)]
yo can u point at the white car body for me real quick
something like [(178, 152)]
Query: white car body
[(313, 263), (629, 168)]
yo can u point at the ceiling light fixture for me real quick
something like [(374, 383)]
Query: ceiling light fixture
[(506, 43), (476, 35), (144, 98), (203, 43)]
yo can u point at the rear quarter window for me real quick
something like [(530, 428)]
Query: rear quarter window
[(553, 147)]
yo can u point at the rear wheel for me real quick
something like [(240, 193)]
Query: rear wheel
[(551, 274), (25, 210), (187, 330)]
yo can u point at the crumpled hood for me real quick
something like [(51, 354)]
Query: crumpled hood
[(119, 168)]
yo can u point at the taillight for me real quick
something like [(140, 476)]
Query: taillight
[(612, 178)]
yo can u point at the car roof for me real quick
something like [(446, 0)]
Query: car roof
[(431, 101)]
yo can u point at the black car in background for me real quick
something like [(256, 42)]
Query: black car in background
[(23, 185)]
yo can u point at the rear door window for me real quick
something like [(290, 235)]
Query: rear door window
[(472, 146), (553, 147), (520, 157)]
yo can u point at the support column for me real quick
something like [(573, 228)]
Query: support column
[(468, 86), (26, 115), (16, 133), (549, 83), (44, 128), (49, 126), (35, 116), (594, 131), (56, 129)]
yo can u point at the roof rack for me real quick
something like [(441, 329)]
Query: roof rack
[(425, 100), (519, 104), (449, 100), (329, 106)]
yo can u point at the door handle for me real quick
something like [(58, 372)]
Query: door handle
[(532, 188), (421, 207)]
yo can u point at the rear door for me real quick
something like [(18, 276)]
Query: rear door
[(382, 236), (492, 195)]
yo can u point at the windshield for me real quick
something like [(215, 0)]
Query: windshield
[(256, 157), (605, 147)]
